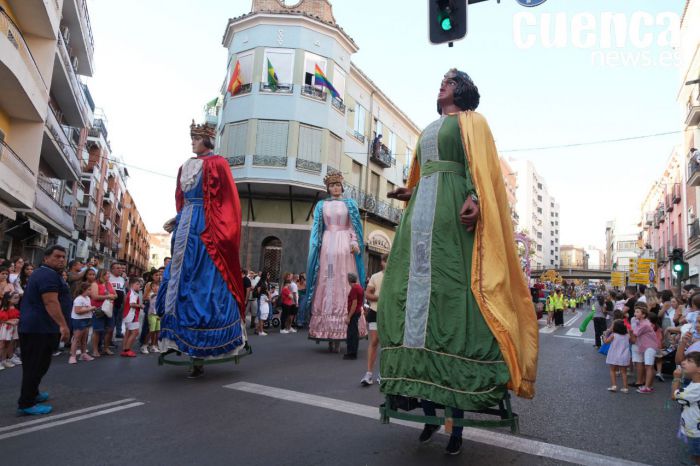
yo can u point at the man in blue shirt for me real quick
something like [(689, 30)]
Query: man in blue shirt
[(42, 323)]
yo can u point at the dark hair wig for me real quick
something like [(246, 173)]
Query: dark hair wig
[(466, 94)]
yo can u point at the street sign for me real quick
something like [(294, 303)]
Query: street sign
[(618, 279)]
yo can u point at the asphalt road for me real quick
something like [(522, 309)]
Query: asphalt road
[(293, 403)]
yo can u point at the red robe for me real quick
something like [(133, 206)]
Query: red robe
[(222, 212)]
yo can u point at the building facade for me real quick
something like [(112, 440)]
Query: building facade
[(538, 213), (573, 257), (45, 111), (510, 179), (689, 101), (134, 240), (664, 219), (622, 243), (159, 249), (282, 139)]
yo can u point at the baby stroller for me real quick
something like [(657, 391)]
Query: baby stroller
[(275, 315)]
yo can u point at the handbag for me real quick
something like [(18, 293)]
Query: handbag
[(107, 308), (604, 348)]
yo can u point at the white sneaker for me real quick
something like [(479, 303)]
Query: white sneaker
[(16, 360), (292, 330), (154, 349), (8, 364), (366, 380), (284, 331), (262, 334), (144, 349)]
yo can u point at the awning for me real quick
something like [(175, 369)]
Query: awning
[(38, 227), (6, 211)]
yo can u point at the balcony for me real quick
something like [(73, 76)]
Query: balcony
[(676, 193), (660, 216), (693, 113), (338, 104), (649, 218), (67, 89), (48, 203), (57, 149), (24, 92), (373, 206), (77, 19), (694, 235), (17, 180), (661, 256), (37, 17), (381, 155), (108, 198), (694, 170), (309, 165), (281, 88), (313, 92), (669, 203)]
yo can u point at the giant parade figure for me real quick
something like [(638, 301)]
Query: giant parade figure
[(335, 249), (455, 319), (201, 298)]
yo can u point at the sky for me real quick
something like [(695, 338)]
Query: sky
[(553, 81)]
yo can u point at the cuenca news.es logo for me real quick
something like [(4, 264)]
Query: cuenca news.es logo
[(530, 3), (638, 39)]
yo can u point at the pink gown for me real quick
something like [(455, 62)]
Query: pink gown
[(330, 304)]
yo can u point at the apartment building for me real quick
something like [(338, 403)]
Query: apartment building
[(134, 240), (281, 140), (45, 110), (159, 249), (510, 179), (538, 213)]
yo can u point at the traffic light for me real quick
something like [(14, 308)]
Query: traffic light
[(448, 20), (678, 264)]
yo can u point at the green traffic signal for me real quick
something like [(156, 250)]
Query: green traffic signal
[(446, 24), (677, 267)]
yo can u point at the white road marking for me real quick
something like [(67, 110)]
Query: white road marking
[(42, 419), (548, 329), (571, 321), (585, 340), (487, 437), (47, 425), (574, 332)]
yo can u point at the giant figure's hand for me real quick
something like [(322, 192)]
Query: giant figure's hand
[(469, 214), (169, 226), (402, 194)]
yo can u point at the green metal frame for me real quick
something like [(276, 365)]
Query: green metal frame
[(162, 358), (507, 417)]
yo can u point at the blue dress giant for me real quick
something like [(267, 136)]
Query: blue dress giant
[(200, 315)]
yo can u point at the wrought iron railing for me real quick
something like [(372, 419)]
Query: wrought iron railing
[(236, 160), (337, 102), (313, 91), (61, 138), (269, 161), (382, 156), (309, 165), (280, 88), (693, 167), (694, 230), (370, 204), (10, 158)]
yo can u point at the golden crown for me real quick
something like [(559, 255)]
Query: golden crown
[(334, 177), (202, 130)]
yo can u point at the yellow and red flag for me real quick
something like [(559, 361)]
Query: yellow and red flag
[(234, 86)]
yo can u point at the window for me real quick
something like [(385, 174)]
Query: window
[(626, 245), (356, 175), (374, 184), (539, 235), (246, 61), (539, 198), (390, 186), (310, 143), (282, 60), (310, 62), (552, 242), (539, 247), (556, 248), (392, 144), (551, 233), (359, 123), (379, 128), (339, 81), (539, 210), (551, 262), (335, 151), (235, 139), (539, 185), (272, 138)]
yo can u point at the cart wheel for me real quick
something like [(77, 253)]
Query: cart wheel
[(266, 324), (275, 322)]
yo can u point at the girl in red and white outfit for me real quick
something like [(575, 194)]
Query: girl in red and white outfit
[(132, 308), (8, 330)]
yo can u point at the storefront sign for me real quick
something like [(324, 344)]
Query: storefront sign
[(379, 242)]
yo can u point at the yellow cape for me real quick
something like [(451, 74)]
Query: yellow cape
[(498, 282)]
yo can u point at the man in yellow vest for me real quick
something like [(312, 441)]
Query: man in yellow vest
[(559, 308)]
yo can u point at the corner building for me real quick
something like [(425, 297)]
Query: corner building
[(282, 140)]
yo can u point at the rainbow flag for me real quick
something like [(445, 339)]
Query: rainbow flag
[(272, 79), (234, 85), (321, 80)]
